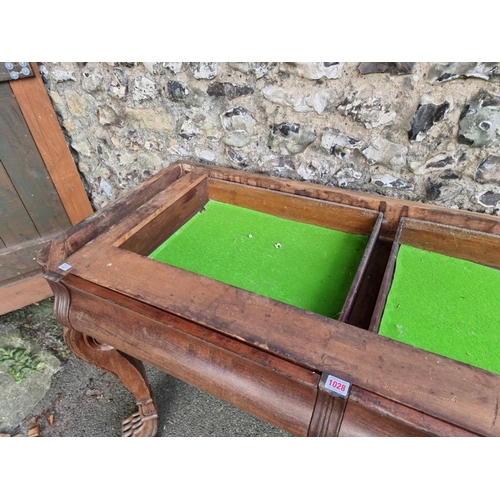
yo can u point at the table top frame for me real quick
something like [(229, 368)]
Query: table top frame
[(98, 254)]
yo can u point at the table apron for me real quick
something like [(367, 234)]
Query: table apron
[(262, 391)]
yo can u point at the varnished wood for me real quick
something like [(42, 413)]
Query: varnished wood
[(129, 370), (453, 241), (383, 417), (362, 310), (264, 392), (328, 411), (367, 413), (399, 372), (357, 282), (394, 207), (297, 208), (43, 125), (362, 421), (386, 283), (327, 416), (208, 335), (165, 221), (264, 356), (62, 297), (100, 222)]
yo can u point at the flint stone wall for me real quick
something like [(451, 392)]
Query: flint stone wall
[(420, 131)]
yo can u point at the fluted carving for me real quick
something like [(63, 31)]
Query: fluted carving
[(62, 296)]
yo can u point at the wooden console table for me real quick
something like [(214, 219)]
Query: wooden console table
[(306, 373)]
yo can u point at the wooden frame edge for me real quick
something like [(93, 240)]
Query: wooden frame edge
[(392, 207)]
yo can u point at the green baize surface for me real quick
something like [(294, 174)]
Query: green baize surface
[(307, 266), (445, 305)]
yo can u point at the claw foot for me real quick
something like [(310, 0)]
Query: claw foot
[(143, 423)]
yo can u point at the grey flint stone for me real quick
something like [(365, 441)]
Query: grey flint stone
[(204, 70), (488, 170), (425, 117), (291, 138), (394, 68), (444, 72), (312, 71), (489, 199), (479, 124), (238, 124)]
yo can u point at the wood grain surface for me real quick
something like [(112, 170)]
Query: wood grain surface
[(44, 127), (262, 355)]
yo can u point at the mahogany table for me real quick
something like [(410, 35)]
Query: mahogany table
[(308, 374)]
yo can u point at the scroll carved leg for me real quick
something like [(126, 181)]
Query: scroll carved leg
[(131, 373)]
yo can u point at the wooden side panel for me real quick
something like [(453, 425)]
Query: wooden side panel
[(385, 286), (360, 421), (167, 222), (27, 171), (364, 305), (368, 414), (359, 280), (16, 225), (152, 210), (205, 334), (40, 117), (287, 206), (453, 241), (393, 208)]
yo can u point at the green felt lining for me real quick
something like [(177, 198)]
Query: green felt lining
[(445, 305), (300, 264)]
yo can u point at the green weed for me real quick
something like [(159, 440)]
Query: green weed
[(20, 362)]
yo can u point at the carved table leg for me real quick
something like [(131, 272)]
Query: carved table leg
[(131, 373)]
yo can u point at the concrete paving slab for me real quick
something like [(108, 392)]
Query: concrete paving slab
[(22, 390)]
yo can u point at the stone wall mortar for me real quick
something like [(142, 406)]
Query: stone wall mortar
[(420, 131)]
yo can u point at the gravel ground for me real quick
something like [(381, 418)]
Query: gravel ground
[(81, 400)]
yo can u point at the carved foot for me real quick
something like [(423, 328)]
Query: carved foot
[(143, 423), (131, 373)]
